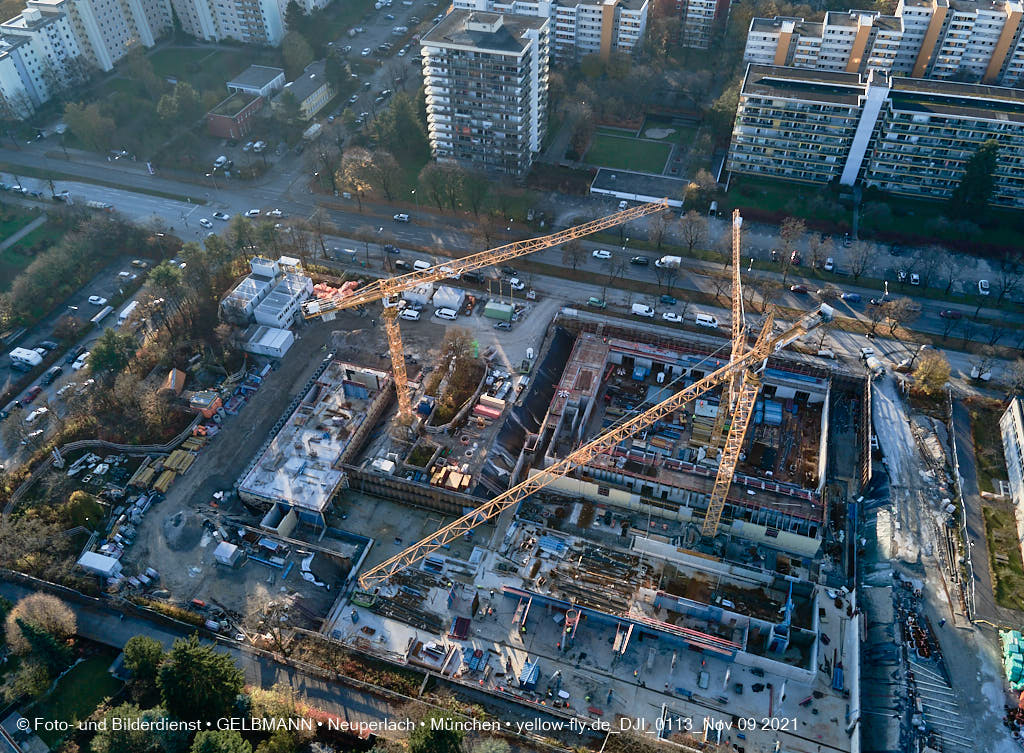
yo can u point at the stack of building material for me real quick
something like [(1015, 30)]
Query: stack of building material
[(179, 460), (164, 482), (1013, 657), (450, 478), (192, 444), (485, 411), (143, 474)]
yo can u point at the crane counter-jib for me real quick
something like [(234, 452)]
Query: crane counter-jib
[(762, 349), (394, 286)]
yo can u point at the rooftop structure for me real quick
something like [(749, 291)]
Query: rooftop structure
[(301, 466), (311, 90), (281, 306)]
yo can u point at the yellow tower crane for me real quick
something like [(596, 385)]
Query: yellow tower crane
[(388, 290), (739, 337), (747, 363)]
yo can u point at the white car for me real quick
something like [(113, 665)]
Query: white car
[(221, 216), (97, 300), (252, 213), (516, 284), (80, 361), (37, 413), (247, 147), (830, 264), (411, 315), (366, 52), (448, 314), (915, 278), (32, 435), (672, 316), (66, 389), (259, 146), (600, 253), (353, 99), (205, 222), (402, 217), (983, 287), (275, 213)]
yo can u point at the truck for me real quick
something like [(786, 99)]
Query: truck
[(668, 262), (312, 132), (874, 366)]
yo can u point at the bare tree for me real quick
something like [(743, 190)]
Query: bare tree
[(573, 253), (659, 227), (859, 259), (927, 264), (948, 325), (983, 360), (771, 289), (616, 267), (819, 248), (899, 312), (968, 329), (949, 268), (1009, 275), (791, 231), (875, 315), (995, 333), (693, 228), (1015, 378), (721, 282)]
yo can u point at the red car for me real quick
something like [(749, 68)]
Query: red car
[(31, 395), (950, 314), (798, 288)]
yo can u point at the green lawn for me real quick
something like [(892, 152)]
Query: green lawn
[(208, 69), (17, 257), (77, 694), (988, 442), (627, 154), (1004, 556)]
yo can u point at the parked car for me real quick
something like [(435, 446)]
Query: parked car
[(247, 147), (140, 264), (37, 413), (640, 261), (596, 302), (951, 314), (353, 99), (503, 325), (510, 271), (850, 297), (410, 314), (31, 395), (672, 316), (49, 345), (403, 265), (796, 258), (802, 289), (51, 374), (205, 222), (401, 217), (915, 278), (80, 361), (830, 264), (668, 299), (221, 216), (252, 213), (275, 213), (600, 253), (97, 300), (983, 287), (74, 353), (366, 52), (516, 284), (901, 276)]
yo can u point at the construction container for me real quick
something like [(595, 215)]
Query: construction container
[(421, 294), (449, 298), (501, 311)]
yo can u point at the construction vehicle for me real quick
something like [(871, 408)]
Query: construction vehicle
[(744, 368), (388, 290)]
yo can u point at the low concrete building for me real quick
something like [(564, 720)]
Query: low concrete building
[(267, 341), (282, 305), (258, 80), (100, 564), (232, 118)]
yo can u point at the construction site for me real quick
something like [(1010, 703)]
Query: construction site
[(626, 526)]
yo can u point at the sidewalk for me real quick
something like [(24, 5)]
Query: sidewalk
[(17, 236)]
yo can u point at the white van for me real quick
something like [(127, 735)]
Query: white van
[(410, 315), (706, 320), (419, 265), (446, 314), (642, 309)]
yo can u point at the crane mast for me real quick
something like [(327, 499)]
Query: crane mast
[(389, 289), (739, 336), (763, 348)]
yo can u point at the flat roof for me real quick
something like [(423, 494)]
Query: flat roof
[(804, 83), (637, 184), (300, 465), (270, 337), (290, 287), (457, 30), (256, 77), (252, 286), (234, 104)]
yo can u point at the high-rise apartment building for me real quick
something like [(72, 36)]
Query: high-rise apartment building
[(578, 27), (52, 44), (700, 20), (249, 21), (903, 135), (486, 82), (973, 41)]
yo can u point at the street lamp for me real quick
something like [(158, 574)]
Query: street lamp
[(416, 196), (213, 177)]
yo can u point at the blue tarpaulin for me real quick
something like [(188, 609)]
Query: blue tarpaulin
[(529, 676)]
